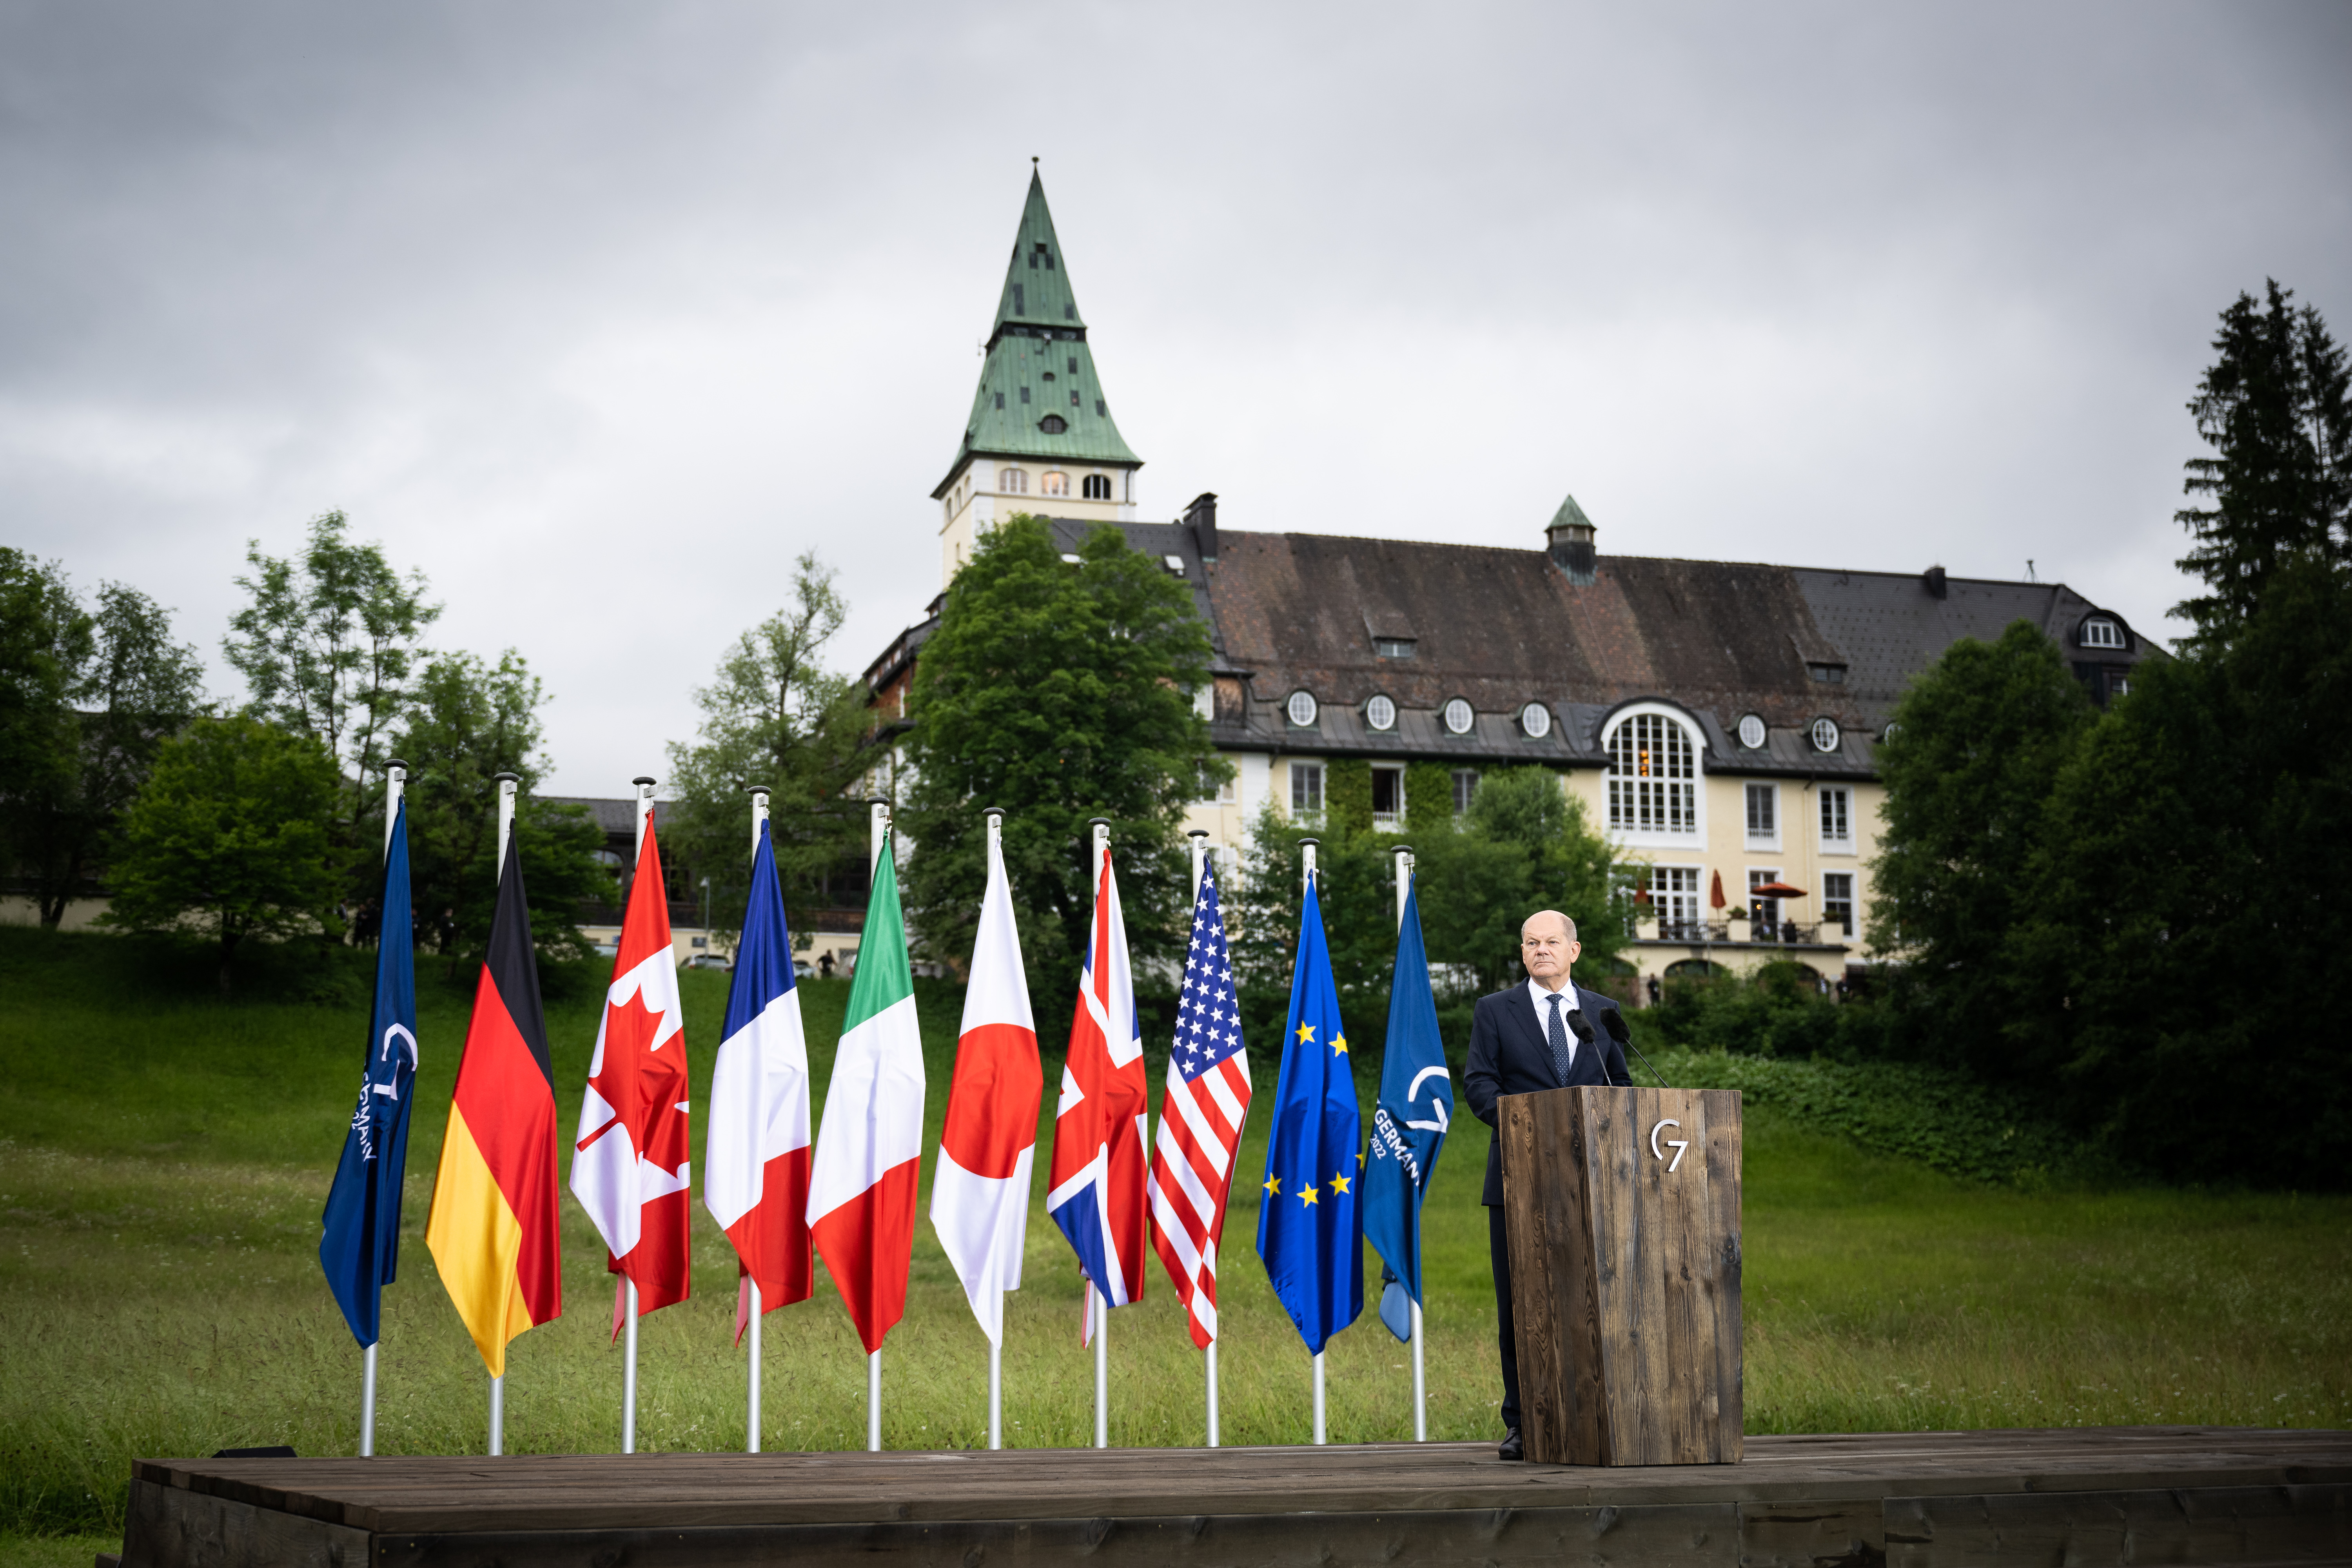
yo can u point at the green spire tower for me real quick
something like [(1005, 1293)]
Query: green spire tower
[(1041, 439)]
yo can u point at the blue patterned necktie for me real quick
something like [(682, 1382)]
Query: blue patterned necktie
[(1559, 1052)]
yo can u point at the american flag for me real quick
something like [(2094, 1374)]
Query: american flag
[(1199, 1117)]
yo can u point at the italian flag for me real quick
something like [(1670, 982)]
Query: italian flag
[(861, 1206)]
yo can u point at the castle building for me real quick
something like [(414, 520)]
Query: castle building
[(1719, 719)]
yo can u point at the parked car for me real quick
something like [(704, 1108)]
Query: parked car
[(706, 961)]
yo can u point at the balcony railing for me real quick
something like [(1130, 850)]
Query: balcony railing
[(1751, 933)]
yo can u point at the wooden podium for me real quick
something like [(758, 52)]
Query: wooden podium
[(1622, 1206)]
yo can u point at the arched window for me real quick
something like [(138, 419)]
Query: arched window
[(1054, 482), (1053, 425), (1458, 717), (2101, 632), (1653, 777), (1097, 486), (1013, 482), (1380, 713)]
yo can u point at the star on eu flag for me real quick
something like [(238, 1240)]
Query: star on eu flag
[(1307, 1194), (1340, 1183), (1339, 1044), (1306, 1031)]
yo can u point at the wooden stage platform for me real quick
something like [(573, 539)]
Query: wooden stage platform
[(2117, 1495)]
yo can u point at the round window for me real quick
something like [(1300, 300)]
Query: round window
[(1380, 713), (1458, 717), (1752, 731), (1825, 735), (1535, 719), (1302, 709)]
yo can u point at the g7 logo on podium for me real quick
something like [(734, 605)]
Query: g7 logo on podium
[(1677, 1144)]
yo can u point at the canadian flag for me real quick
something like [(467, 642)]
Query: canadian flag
[(629, 1167), (980, 1188), (755, 1171)]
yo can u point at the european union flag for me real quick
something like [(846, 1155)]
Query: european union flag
[(1410, 1119), (1310, 1230), (361, 1248)]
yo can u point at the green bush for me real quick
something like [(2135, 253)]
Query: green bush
[(1936, 1116)]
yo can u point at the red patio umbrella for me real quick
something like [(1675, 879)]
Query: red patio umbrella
[(1715, 894), (1774, 891)]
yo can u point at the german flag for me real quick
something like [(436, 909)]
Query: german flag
[(493, 1227)]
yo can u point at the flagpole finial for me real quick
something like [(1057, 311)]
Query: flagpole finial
[(391, 762), (1309, 843), (757, 789), (993, 810), (643, 780), (1402, 849), (1098, 822), (1197, 833), (506, 778)]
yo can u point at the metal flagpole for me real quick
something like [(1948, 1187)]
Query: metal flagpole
[(994, 817), (395, 775), (628, 1286), (1200, 836), (751, 1419), (1101, 825), (878, 830), (508, 784), (1420, 1378), (1307, 883)]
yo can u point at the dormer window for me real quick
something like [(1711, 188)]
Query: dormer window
[(1535, 720), (1392, 648), (1379, 712), (1053, 425), (1458, 717), (1301, 709), (1827, 674), (2101, 632)]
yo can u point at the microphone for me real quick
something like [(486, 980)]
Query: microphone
[(1619, 1032), (1582, 1029)]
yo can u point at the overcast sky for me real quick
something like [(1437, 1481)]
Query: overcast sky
[(600, 314)]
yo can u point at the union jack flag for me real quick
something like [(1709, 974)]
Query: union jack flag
[(1201, 1117)]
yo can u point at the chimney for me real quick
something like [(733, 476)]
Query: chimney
[(1203, 515), (1570, 537), (1934, 579)]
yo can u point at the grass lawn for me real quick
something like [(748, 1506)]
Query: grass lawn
[(164, 1157)]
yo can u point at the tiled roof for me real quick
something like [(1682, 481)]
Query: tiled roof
[(1890, 626), (1504, 627)]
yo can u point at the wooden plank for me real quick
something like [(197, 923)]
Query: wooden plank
[(1618, 1276), (1677, 1224), (692, 1490), (1725, 1269), (173, 1527), (1700, 1537), (2209, 1525), (1813, 1533)]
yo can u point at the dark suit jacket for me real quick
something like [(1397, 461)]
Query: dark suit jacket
[(1510, 1054)]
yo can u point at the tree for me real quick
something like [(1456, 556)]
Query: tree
[(46, 639), (776, 716), (469, 721), (327, 645), (234, 828), (1524, 844), (1969, 763), (2187, 929), (133, 689), (1061, 692), (2275, 408)]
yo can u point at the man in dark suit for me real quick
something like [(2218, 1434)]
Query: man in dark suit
[(1550, 1033)]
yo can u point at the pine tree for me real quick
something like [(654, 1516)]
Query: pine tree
[(2276, 408)]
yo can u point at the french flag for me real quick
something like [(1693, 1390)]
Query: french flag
[(755, 1172), (1096, 1192)]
